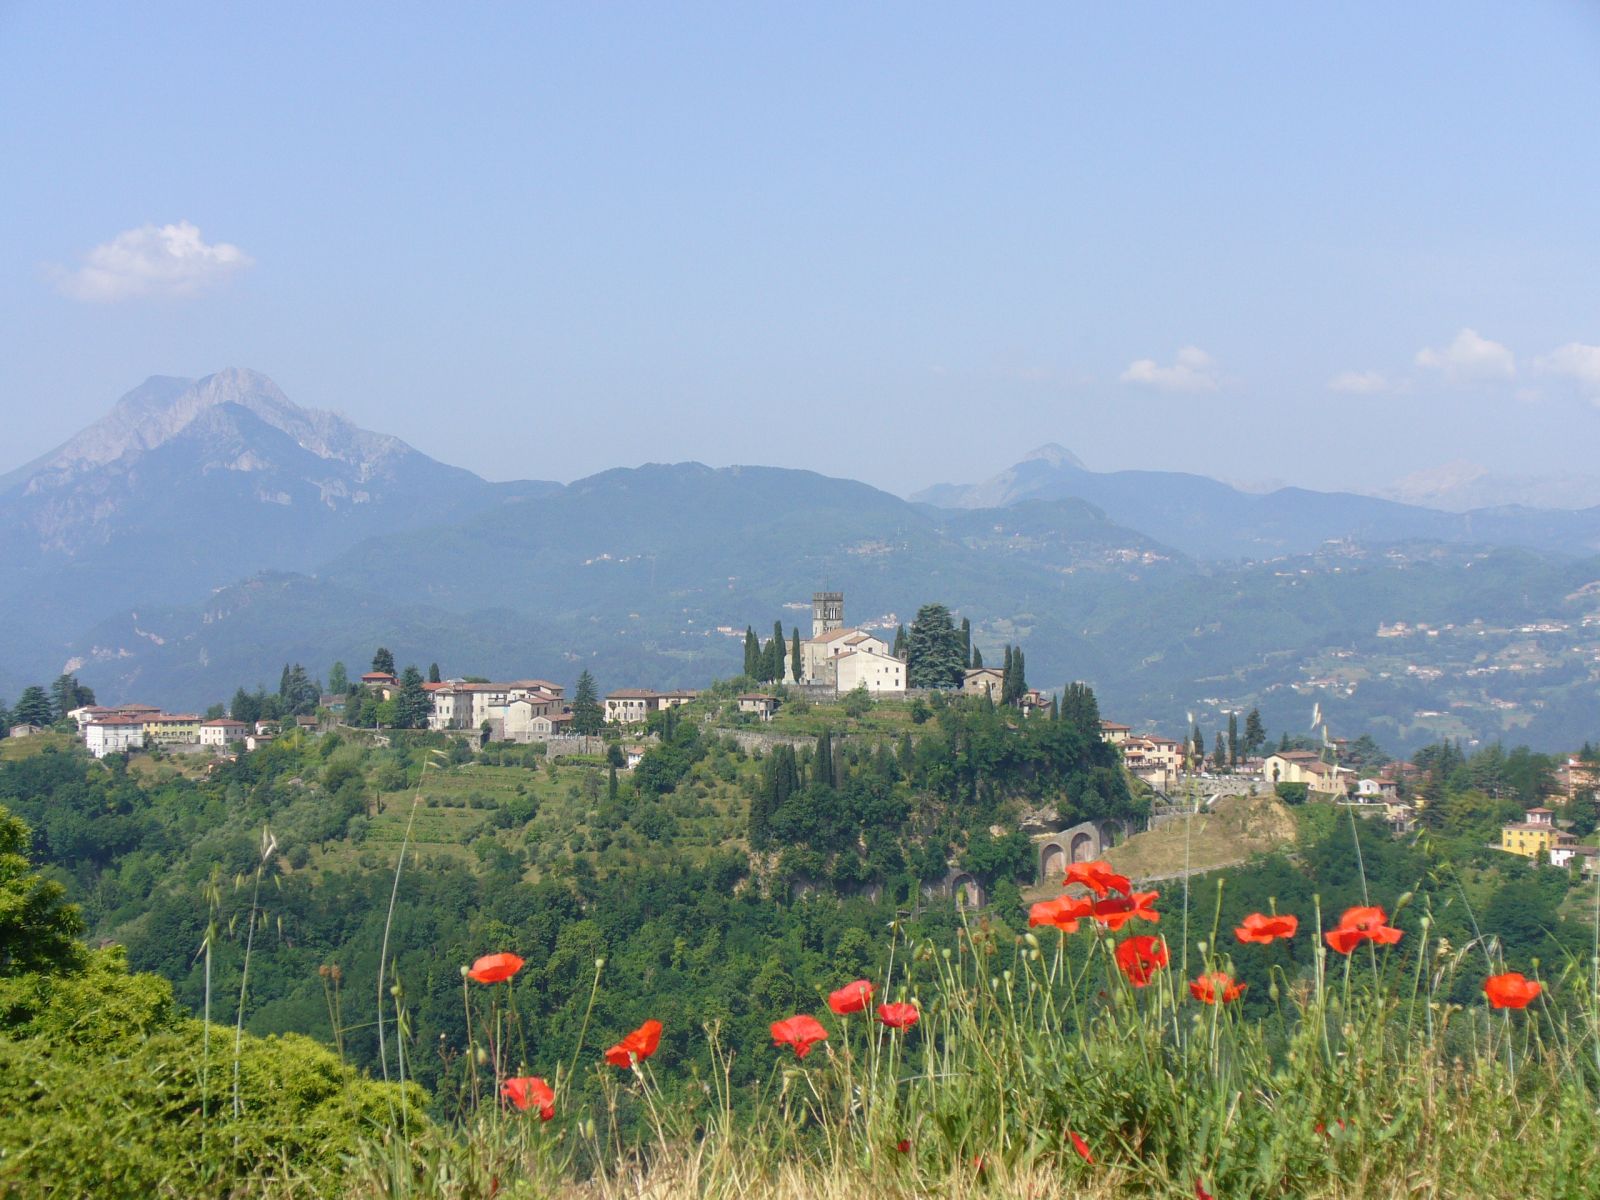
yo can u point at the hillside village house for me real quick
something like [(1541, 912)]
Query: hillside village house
[(457, 704), (172, 729), (760, 704), (114, 734), (1116, 734), (983, 681), (1158, 761), (1307, 767), (24, 730), (631, 706), (1532, 838), (222, 731), (870, 670)]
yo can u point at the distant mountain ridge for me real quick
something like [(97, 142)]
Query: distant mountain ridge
[(1208, 519), (189, 485)]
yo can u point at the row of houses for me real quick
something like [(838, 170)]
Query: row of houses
[(128, 727)]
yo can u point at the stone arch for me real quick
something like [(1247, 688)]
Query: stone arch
[(1085, 846), (967, 891), (1052, 860)]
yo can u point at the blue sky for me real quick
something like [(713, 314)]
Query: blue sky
[(903, 243)]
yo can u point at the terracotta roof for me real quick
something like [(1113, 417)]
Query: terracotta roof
[(631, 694), (1113, 725), (223, 722), (122, 720), (167, 717), (834, 635), (758, 696)]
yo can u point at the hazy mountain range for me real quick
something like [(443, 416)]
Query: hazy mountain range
[(206, 531)]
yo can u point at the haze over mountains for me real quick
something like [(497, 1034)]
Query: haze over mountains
[(206, 531)]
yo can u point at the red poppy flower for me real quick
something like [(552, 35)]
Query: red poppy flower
[(1081, 1146), (1258, 927), (529, 1091), (1200, 1192), (1064, 912), (851, 998), (1116, 911), (903, 1146), (1216, 988), (636, 1047), (899, 1016), (1098, 877), (1323, 1129), (801, 1032), (1362, 924), (1511, 990), (495, 968), (1140, 957)]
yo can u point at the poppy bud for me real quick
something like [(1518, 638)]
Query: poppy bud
[(588, 1127), (1031, 940), (1405, 899), (1535, 961), (1201, 946), (599, 964), (1426, 920), (482, 1055), (1034, 954), (464, 970), (1272, 992), (1006, 975)]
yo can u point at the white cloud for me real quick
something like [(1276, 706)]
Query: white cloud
[(1576, 361), (1470, 357), (1361, 383), (1194, 371), (152, 260)]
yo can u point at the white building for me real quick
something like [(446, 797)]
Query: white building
[(114, 735), (222, 731), (629, 706), (870, 669)]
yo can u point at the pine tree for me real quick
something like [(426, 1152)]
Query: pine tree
[(283, 683), (33, 707), (66, 694), (433, 673), (1255, 733), (966, 642), (412, 704), (587, 716), (338, 679), (933, 649), (901, 644), (794, 656), (245, 707), (1219, 752), (383, 661), (1055, 709)]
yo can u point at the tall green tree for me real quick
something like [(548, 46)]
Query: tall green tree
[(1080, 708), (977, 658), (752, 654), (433, 673), (1198, 740), (1255, 733), (33, 707), (245, 707), (822, 762), (902, 644), (412, 704), (1008, 688), (66, 694), (39, 930), (1219, 752), (383, 661), (338, 679), (966, 642), (933, 649), (1233, 739), (587, 716), (794, 656)]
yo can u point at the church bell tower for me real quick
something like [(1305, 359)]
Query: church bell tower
[(827, 612)]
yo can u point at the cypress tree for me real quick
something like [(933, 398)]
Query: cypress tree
[(587, 715), (900, 642), (822, 765), (1020, 670), (433, 673), (1233, 739), (966, 642), (977, 657), (794, 656), (752, 654)]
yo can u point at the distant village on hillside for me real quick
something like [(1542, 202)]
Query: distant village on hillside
[(835, 664)]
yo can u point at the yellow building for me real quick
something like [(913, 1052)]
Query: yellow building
[(1531, 838), (171, 729)]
